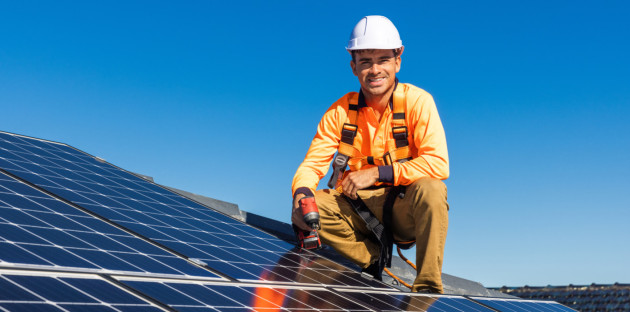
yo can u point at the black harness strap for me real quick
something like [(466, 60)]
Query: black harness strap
[(378, 230), (348, 132), (381, 231), (388, 209)]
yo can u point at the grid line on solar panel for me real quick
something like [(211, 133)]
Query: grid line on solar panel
[(181, 294), (160, 211), (405, 301), (32, 291), (521, 305), (226, 296), (36, 229), (151, 210)]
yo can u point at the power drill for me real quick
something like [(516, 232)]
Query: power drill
[(308, 239)]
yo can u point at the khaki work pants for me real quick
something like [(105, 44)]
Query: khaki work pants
[(422, 215)]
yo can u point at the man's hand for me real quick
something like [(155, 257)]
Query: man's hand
[(297, 217), (359, 180)]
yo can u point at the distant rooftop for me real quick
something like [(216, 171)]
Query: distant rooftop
[(585, 298)]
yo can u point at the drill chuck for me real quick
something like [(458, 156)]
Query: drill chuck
[(312, 220)]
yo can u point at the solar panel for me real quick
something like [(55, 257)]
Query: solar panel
[(224, 244), (516, 305), (79, 234), (389, 301), (29, 291), (233, 297), (247, 297), (37, 229)]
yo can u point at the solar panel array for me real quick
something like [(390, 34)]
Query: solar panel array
[(79, 234)]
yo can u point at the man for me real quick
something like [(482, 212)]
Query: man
[(392, 136)]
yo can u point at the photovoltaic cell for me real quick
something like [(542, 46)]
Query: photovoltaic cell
[(224, 244), (37, 229), (21, 292), (515, 305)]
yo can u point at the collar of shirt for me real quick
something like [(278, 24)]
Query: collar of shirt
[(391, 99)]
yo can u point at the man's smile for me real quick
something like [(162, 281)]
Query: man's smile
[(374, 82)]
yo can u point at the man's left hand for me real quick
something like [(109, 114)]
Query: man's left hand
[(359, 180)]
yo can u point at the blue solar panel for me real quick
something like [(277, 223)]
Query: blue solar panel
[(224, 244), (22, 292), (384, 301), (459, 303), (66, 216), (515, 305), (37, 229), (227, 297)]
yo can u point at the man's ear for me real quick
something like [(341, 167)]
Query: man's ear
[(353, 65), (399, 59)]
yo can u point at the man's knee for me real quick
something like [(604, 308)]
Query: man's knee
[(333, 207), (327, 202), (428, 193)]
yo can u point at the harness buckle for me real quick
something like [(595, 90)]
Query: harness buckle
[(372, 224), (348, 132), (339, 166), (400, 136), (387, 159)]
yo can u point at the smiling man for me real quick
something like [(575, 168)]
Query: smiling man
[(391, 138)]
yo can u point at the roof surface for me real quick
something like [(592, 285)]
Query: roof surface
[(80, 234)]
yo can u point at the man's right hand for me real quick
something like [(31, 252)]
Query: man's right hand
[(297, 217)]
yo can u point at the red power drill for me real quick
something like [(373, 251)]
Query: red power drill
[(308, 239)]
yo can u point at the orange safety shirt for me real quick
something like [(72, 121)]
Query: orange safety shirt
[(426, 140)]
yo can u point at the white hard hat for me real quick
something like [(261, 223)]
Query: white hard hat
[(374, 32)]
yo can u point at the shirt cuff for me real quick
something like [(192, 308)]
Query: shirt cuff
[(307, 191), (386, 174)]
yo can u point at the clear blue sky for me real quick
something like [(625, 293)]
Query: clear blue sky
[(222, 99)]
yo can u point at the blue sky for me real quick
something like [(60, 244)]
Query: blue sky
[(222, 99)]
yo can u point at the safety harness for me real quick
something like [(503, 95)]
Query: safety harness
[(349, 155)]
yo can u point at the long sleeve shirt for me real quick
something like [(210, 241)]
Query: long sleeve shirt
[(427, 140)]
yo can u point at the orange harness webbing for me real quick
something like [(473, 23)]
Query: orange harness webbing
[(400, 152), (348, 154)]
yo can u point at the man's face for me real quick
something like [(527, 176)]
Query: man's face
[(376, 70)]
